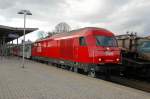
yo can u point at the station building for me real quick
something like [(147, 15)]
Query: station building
[(8, 34)]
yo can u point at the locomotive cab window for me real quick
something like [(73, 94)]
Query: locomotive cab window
[(82, 41), (106, 41)]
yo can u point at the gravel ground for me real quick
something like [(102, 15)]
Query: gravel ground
[(40, 81)]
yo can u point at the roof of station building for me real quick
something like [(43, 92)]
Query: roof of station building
[(6, 31)]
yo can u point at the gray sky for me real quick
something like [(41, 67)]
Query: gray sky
[(118, 16)]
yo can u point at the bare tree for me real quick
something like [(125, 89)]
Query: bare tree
[(62, 27), (51, 33)]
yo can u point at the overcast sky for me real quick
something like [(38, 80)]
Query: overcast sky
[(117, 16)]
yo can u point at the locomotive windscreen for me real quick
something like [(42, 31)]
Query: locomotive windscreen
[(106, 41)]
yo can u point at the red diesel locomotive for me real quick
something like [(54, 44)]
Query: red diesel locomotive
[(88, 49)]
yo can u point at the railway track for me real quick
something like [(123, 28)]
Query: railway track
[(133, 83)]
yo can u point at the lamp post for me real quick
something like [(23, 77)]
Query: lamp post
[(24, 12)]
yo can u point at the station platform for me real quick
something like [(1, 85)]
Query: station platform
[(41, 81)]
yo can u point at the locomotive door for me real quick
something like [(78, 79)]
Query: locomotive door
[(76, 48), (80, 49)]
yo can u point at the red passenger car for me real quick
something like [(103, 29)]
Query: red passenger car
[(88, 49), (15, 50)]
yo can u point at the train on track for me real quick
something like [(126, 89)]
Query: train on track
[(92, 50), (89, 49)]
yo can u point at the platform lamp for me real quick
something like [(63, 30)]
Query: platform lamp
[(24, 12)]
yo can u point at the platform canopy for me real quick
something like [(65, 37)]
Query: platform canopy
[(10, 33)]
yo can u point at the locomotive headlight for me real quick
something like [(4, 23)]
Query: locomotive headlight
[(117, 59), (100, 59)]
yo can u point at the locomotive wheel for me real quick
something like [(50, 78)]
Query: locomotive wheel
[(92, 73), (71, 69), (62, 66)]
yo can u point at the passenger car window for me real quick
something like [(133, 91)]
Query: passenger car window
[(82, 41)]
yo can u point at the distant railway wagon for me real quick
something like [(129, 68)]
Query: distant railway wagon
[(136, 54), (17, 50), (138, 47), (88, 49)]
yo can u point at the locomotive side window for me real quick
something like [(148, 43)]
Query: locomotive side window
[(82, 41)]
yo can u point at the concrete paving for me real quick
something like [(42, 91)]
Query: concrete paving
[(40, 81)]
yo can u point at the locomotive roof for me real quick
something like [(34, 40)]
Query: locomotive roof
[(74, 33)]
